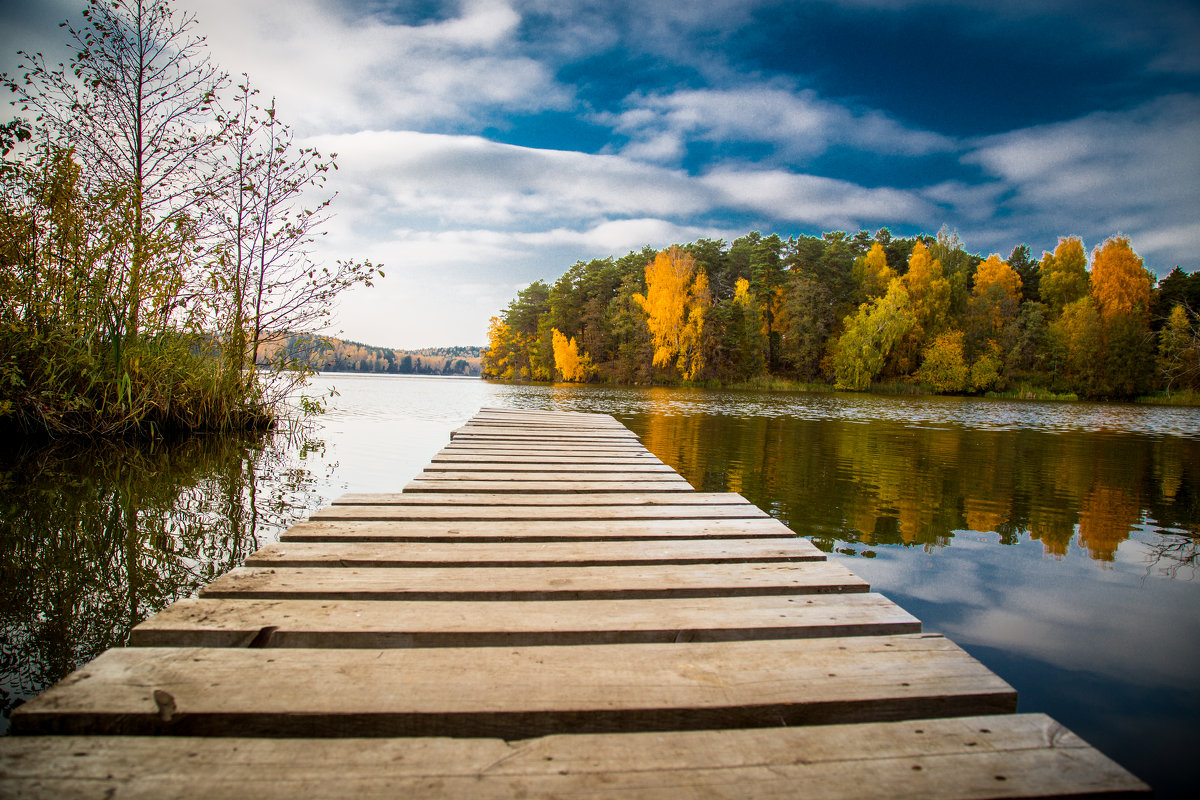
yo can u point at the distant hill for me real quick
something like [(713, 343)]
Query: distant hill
[(342, 355)]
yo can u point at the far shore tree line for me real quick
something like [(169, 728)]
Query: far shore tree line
[(853, 311), (156, 228), (325, 354)]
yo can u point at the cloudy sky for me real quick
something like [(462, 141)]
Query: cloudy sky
[(484, 144)]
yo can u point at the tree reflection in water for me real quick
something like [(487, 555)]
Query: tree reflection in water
[(96, 538), (894, 484)]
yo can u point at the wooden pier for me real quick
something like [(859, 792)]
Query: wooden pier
[(547, 610)]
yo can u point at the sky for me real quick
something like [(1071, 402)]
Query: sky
[(485, 144)]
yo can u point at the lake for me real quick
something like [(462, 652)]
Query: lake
[(1056, 542)]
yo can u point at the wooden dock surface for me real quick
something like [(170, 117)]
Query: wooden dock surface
[(547, 610)]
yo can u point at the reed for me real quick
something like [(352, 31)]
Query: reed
[(170, 383)]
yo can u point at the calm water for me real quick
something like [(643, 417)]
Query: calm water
[(1056, 542)]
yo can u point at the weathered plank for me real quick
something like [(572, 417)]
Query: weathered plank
[(562, 513), (555, 418), (549, 435), (533, 530), (467, 474), (550, 445), (531, 554), (383, 624), (555, 433), (519, 499), (535, 583), (580, 467), (516, 692), (562, 486), (964, 758)]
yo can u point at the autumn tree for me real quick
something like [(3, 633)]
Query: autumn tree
[(675, 303), (1063, 276), (571, 365), (943, 364), (957, 264), (872, 273), (995, 298), (929, 292), (498, 354), (870, 335), (1120, 282), (1077, 340)]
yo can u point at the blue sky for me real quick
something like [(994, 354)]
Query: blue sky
[(484, 144)]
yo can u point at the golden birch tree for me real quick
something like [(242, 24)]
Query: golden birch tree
[(676, 304)]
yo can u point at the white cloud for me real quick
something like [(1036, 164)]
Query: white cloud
[(813, 200), (335, 69), (797, 124), (448, 180), (1134, 171)]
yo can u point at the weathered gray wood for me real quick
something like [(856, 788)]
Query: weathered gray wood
[(564, 513), (581, 467), (466, 474), (520, 499), (555, 433), (383, 624), (535, 583), (531, 554), (320, 530), (545, 436), (531, 486), (516, 692), (556, 418), (629, 446), (622, 454), (965, 758)]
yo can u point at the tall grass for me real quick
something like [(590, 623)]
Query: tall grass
[(161, 385)]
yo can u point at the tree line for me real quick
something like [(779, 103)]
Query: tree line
[(156, 226), (853, 311), (327, 354)]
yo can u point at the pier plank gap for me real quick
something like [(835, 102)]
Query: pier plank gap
[(546, 610)]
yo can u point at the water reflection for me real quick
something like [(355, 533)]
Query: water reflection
[(93, 539), (895, 484)]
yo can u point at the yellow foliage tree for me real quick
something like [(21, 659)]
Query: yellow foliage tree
[(944, 366), (872, 272), (1120, 283), (496, 356), (567, 360), (996, 295), (676, 303), (928, 290), (1063, 276), (996, 272)]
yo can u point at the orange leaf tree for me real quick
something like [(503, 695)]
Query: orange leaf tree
[(1120, 282), (676, 302)]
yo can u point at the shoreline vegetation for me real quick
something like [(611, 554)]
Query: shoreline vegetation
[(156, 228), (863, 312)]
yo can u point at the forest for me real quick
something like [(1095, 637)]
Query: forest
[(862, 311), (328, 354)]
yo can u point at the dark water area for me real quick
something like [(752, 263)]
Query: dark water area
[(1054, 542), (94, 539)]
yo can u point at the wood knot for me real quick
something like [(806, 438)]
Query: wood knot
[(166, 705)]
